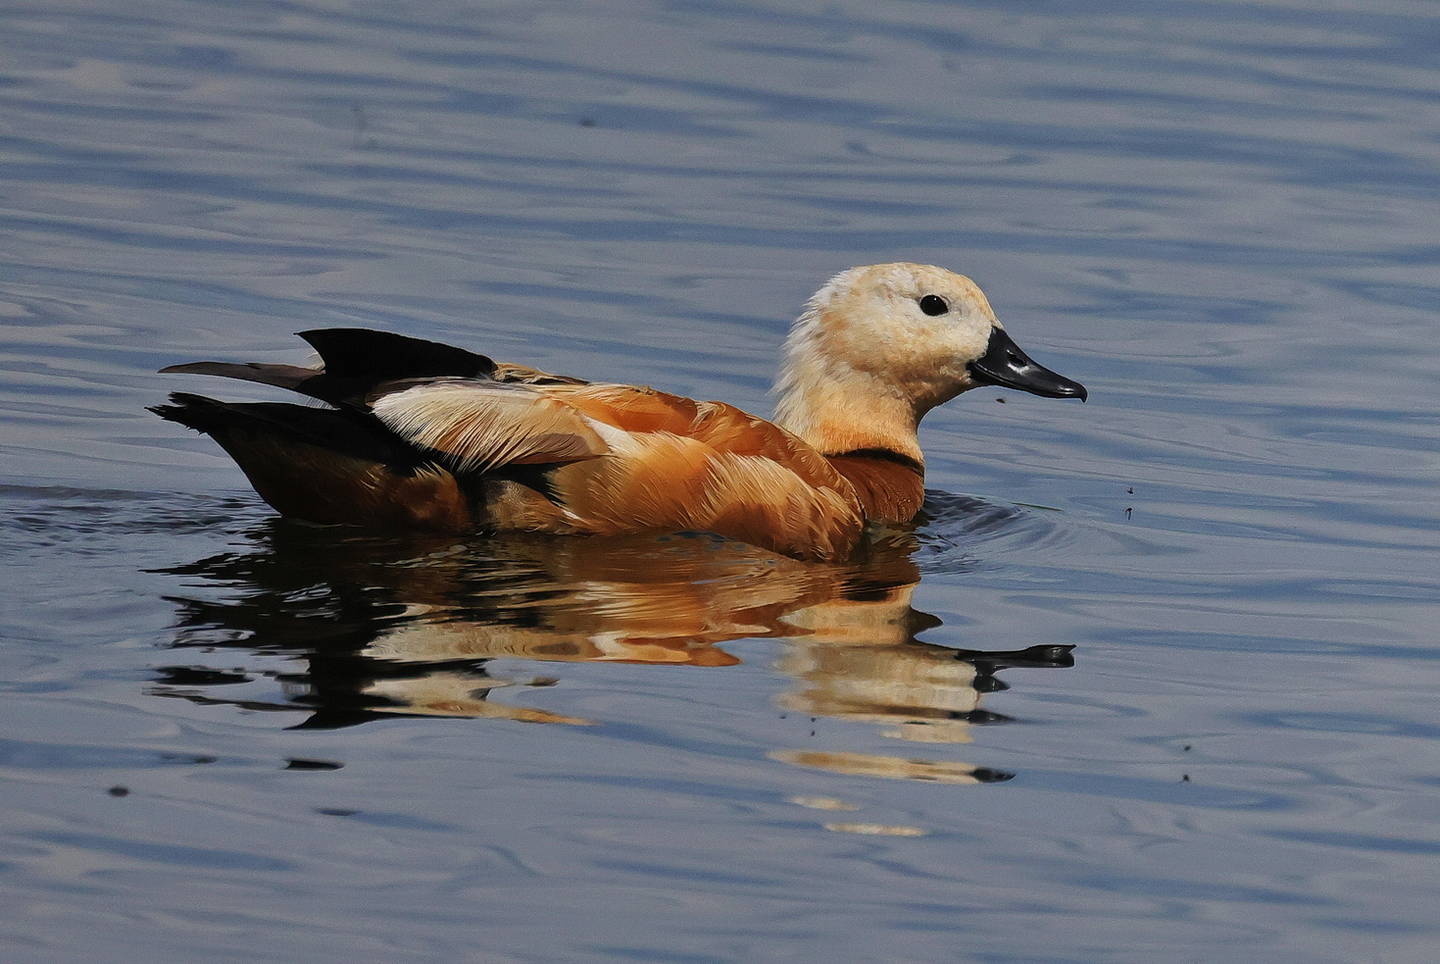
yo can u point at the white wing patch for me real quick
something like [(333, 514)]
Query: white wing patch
[(485, 424)]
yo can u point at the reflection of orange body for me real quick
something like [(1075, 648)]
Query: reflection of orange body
[(648, 600), (417, 622)]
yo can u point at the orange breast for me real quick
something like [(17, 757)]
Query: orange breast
[(889, 491)]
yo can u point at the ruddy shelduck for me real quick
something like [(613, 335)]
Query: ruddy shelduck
[(418, 434)]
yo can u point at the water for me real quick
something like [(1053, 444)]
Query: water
[(227, 736)]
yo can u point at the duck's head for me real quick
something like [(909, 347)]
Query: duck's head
[(879, 346)]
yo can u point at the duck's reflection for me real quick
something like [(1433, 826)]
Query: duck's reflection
[(377, 626)]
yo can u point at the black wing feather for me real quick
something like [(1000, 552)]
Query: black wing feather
[(363, 354)]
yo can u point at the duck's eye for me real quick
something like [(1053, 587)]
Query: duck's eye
[(933, 305)]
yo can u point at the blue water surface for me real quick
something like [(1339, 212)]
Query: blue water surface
[(1152, 679)]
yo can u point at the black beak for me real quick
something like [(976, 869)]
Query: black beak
[(1005, 364)]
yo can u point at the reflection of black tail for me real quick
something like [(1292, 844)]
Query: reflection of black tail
[(988, 663), (1053, 654)]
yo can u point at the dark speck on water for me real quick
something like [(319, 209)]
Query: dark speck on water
[(299, 764), (1220, 217)]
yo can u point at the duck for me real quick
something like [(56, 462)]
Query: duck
[(419, 435)]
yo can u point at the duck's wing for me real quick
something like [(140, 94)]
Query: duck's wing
[(478, 425), (523, 375), (675, 463), (354, 360), (362, 353)]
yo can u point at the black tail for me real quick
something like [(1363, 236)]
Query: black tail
[(337, 431), (327, 465), (198, 412)]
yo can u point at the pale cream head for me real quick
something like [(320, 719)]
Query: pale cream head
[(875, 349)]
